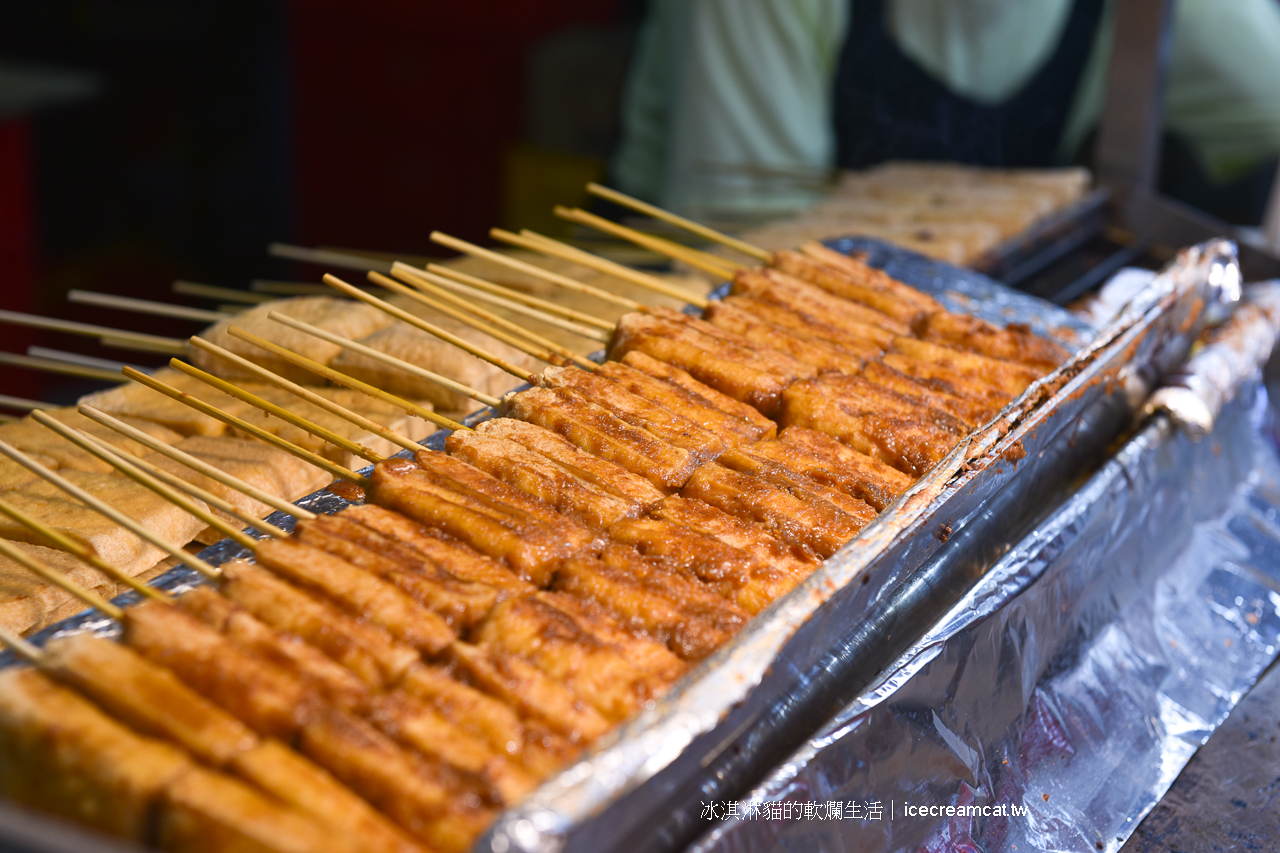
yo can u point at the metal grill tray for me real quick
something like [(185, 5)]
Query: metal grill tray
[(747, 706)]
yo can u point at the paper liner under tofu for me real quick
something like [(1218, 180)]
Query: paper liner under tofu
[(134, 400), (426, 350), (122, 549), (343, 317)]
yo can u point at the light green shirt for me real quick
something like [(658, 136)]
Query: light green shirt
[(728, 105)]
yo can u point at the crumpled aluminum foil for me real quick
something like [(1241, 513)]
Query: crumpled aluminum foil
[(1077, 678)]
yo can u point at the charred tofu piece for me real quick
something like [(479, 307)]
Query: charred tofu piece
[(61, 755), (745, 462), (357, 591), (731, 369), (774, 360), (527, 688), (643, 651), (147, 697), (822, 458), (540, 478), (415, 724), (909, 312), (911, 441), (557, 645), (794, 514), (972, 414), (459, 603), (531, 547), (770, 285), (602, 433), (1014, 343), (749, 536), (448, 555), (734, 573), (370, 652), (335, 683), (668, 606), (823, 355), (271, 701), (862, 339), (751, 424), (602, 473), (1004, 376), (732, 430), (671, 427), (948, 381), (852, 269)]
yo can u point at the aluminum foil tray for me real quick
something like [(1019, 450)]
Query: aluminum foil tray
[(746, 707)]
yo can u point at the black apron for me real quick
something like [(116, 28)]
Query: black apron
[(889, 108)]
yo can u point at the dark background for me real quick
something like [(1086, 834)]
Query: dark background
[(210, 128)]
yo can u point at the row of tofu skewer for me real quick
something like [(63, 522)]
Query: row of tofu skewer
[(392, 674)]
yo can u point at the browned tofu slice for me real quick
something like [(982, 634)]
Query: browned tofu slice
[(61, 755), (756, 425)]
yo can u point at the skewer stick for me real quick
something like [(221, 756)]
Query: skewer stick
[(536, 242), (328, 257), (345, 380), (122, 461), (110, 512), (529, 269), (310, 396), (23, 403), (391, 360), (288, 288), (133, 345), (400, 271), (687, 224), (449, 304), (51, 366), (418, 323), (517, 296), (8, 419), (75, 358), (279, 411), (507, 338), (61, 581), (708, 263), (137, 339), (80, 551), (145, 480), (145, 306), (210, 291), (196, 464), (236, 423), (21, 647)]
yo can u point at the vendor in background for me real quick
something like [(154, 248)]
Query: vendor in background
[(742, 106)]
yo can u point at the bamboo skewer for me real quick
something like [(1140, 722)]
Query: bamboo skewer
[(195, 464), (110, 512), (161, 347), (348, 381), (329, 258), (279, 411), (232, 421), (517, 296), (59, 580), (142, 478), (418, 323), (391, 360), (22, 648), (288, 288), (454, 306), (536, 242), (51, 366), (7, 419), (80, 551), (529, 269), (210, 291), (145, 306), (119, 460), (400, 271), (310, 396), (75, 358), (23, 403), (513, 340), (667, 216), (708, 263), (131, 339)]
